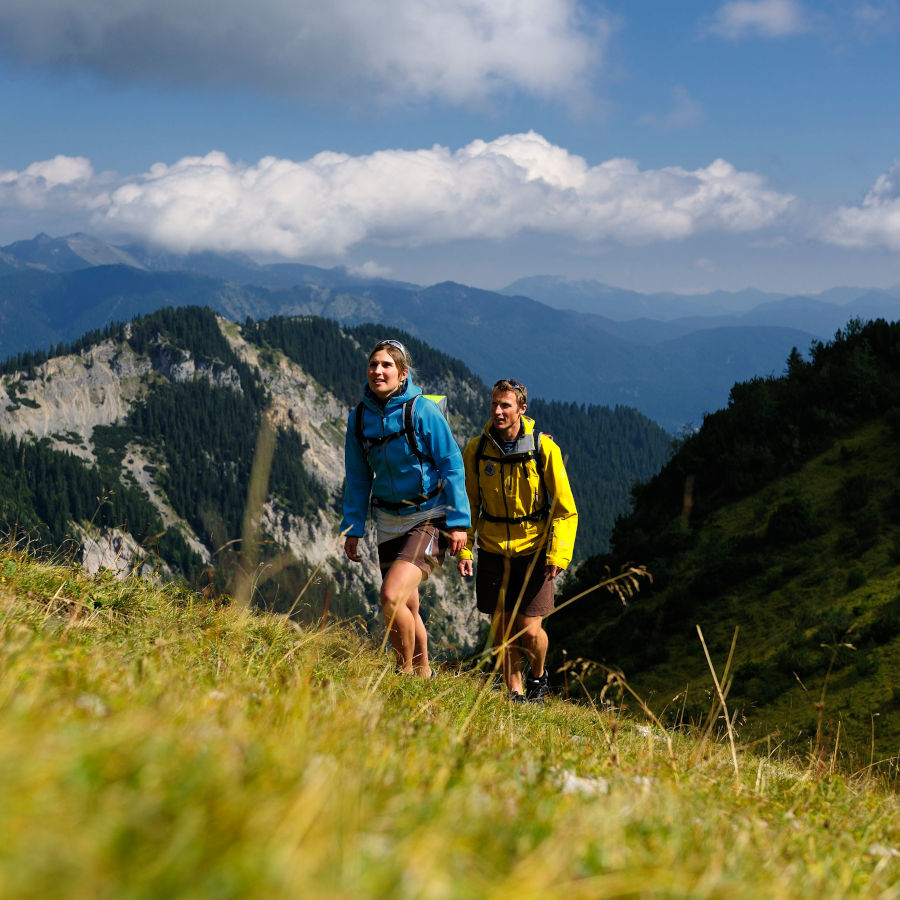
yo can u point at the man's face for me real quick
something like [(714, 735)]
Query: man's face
[(506, 412)]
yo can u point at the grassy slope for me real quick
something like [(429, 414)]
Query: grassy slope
[(818, 618), (152, 745)]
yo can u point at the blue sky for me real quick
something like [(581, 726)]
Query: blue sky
[(653, 145)]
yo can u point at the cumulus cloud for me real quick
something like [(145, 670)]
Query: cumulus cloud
[(758, 18), (370, 269), (876, 222), (452, 50), (64, 183), (487, 190)]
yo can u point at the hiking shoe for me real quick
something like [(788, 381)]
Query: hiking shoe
[(538, 689), (515, 697)]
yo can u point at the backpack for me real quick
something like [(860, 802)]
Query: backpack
[(367, 445), (510, 458)]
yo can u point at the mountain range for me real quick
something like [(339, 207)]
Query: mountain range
[(672, 357)]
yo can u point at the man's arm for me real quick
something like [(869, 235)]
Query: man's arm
[(464, 559), (563, 515)]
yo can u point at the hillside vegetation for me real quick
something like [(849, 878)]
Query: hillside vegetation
[(776, 530), (154, 743)]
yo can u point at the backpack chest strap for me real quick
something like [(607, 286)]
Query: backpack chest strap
[(522, 457)]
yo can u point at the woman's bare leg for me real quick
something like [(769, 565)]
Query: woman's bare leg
[(399, 595), (420, 662)]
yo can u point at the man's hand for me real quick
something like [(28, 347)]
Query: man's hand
[(351, 550), (465, 568), (551, 572), (456, 540)]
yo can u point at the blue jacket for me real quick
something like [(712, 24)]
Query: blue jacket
[(393, 473)]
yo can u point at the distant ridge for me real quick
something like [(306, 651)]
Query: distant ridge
[(674, 370), (590, 296)]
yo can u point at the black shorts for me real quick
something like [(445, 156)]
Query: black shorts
[(496, 575), (424, 545)]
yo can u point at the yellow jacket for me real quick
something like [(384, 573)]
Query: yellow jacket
[(505, 489)]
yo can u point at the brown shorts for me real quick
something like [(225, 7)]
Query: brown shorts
[(424, 546), (497, 574)]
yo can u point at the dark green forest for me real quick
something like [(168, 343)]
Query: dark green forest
[(770, 427), (43, 491), (779, 517)]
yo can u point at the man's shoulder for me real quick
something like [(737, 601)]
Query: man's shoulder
[(545, 438)]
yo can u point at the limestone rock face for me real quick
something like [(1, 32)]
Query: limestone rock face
[(120, 553), (72, 394)]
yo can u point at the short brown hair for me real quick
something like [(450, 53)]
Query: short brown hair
[(509, 384)]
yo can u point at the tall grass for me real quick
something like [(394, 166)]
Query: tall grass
[(153, 743)]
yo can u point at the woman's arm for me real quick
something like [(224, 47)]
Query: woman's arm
[(357, 484)]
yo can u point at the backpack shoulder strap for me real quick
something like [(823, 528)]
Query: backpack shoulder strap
[(538, 459), (479, 450), (357, 428), (409, 428)]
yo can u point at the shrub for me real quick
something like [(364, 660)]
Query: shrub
[(856, 578), (853, 494), (793, 521)]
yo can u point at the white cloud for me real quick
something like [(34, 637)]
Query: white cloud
[(758, 18), (370, 269), (362, 50), (64, 183), (876, 222), (496, 190)]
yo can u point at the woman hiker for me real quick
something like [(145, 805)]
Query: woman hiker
[(400, 457)]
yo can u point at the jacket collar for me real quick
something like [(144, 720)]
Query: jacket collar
[(525, 441), (409, 390)]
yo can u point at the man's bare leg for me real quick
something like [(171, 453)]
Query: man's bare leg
[(534, 642), (510, 656)]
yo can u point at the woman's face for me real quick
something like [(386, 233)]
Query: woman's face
[(384, 375)]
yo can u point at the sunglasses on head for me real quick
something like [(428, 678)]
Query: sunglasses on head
[(390, 342), (511, 382)]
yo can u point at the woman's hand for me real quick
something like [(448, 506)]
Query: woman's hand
[(351, 550), (456, 540)]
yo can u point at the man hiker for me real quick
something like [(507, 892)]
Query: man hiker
[(523, 522)]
